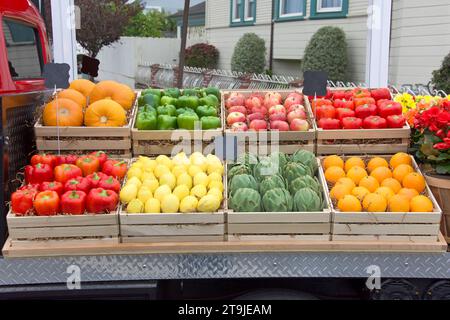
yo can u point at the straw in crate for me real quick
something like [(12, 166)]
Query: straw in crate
[(380, 198)]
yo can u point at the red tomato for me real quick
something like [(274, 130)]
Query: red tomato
[(325, 111), (361, 93), (329, 124), (396, 121), (379, 94), (362, 101), (388, 108), (351, 123), (374, 122), (347, 104), (366, 110), (320, 102), (344, 113)]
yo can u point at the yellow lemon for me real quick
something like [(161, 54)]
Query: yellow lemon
[(135, 206), (152, 206), (215, 167), (168, 179), (170, 204), (214, 176), (161, 192), (134, 172), (198, 191), (215, 184), (128, 193), (208, 203), (184, 179), (181, 191), (137, 164), (164, 160), (199, 160), (216, 192), (189, 204), (201, 178), (144, 194), (178, 169), (147, 175), (134, 180), (152, 184), (193, 170), (181, 160), (212, 158), (160, 170)]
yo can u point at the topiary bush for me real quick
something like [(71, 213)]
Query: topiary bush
[(249, 54), (441, 77), (327, 51), (202, 55)]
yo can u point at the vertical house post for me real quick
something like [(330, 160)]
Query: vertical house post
[(63, 31), (378, 43)]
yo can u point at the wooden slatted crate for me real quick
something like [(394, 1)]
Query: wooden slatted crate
[(288, 142), (405, 227), (281, 226)]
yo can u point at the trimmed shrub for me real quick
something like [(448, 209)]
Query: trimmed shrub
[(327, 51), (202, 55), (441, 77), (249, 54)]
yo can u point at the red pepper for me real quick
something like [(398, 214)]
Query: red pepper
[(365, 111), (351, 123), (38, 173), (339, 95), (362, 101), (71, 159), (101, 156), (88, 164), (389, 109), (100, 200), (44, 159), (73, 202), (65, 172), (22, 202), (346, 104), (361, 93), (46, 203), (382, 101), (379, 94), (115, 168), (320, 102), (60, 160), (32, 187), (396, 121), (325, 111), (52, 186), (79, 184), (95, 178), (110, 183), (374, 122), (329, 124), (344, 113)]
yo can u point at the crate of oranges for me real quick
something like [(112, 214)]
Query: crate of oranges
[(380, 198)]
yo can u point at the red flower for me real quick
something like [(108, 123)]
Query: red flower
[(442, 146)]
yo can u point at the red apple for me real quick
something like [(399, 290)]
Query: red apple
[(239, 126), (296, 114), (258, 125), (255, 116), (290, 101), (235, 117), (296, 107), (277, 109), (240, 109), (255, 100), (299, 125), (278, 116), (235, 99), (272, 99), (296, 95), (260, 109), (279, 125)]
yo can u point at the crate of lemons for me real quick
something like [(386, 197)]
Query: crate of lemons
[(180, 184)]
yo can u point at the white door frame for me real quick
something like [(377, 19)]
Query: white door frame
[(64, 38), (378, 43)]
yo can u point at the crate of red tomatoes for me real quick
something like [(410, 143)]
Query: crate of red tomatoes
[(269, 121), (359, 121), (67, 197)]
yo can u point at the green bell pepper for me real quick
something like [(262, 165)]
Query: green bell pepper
[(214, 91), (183, 110), (148, 109), (190, 92), (155, 92), (146, 121), (172, 92), (206, 111), (209, 100), (166, 122), (210, 123), (187, 120), (168, 100), (188, 102), (149, 99), (167, 109)]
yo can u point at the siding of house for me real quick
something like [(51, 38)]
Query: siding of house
[(420, 39), (290, 38)]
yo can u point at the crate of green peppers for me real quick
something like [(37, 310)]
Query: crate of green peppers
[(162, 112)]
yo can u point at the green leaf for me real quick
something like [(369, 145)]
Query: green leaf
[(443, 169)]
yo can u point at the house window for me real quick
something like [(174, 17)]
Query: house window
[(243, 12), (329, 9), (288, 10)]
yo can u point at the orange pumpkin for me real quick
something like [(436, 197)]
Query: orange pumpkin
[(83, 86), (63, 112), (73, 95), (120, 93), (105, 113)]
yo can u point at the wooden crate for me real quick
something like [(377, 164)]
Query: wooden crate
[(112, 140), (388, 226), (281, 226), (288, 142)]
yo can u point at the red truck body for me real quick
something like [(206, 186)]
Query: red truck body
[(24, 47)]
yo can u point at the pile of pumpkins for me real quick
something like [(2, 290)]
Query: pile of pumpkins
[(104, 104)]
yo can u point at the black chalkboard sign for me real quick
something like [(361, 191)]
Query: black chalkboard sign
[(315, 83), (56, 75), (90, 66)]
